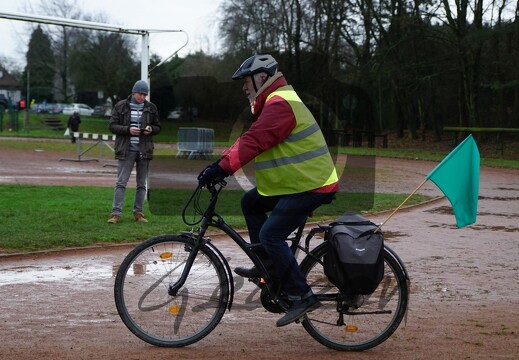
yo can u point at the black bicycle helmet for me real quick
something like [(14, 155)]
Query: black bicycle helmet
[(256, 64)]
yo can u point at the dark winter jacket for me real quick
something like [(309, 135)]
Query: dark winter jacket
[(120, 126), (73, 122)]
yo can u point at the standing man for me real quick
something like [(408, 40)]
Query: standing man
[(73, 124), (295, 174), (134, 121)]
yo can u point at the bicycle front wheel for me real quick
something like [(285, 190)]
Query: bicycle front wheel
[(142, 299), (359, 322)]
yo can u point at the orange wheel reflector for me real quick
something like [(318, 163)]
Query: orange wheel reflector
[(351, 328), (166, 255), (174, 309)]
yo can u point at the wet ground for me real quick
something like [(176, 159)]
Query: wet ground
[(464, 299)]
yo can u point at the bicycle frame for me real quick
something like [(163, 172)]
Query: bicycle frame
[(211, 218)]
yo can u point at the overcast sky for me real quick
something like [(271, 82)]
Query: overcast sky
[(197, 17)]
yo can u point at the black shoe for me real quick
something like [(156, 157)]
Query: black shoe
[(298, 309), (247, 272)]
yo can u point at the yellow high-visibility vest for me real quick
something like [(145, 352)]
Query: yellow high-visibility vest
[(300, 163)]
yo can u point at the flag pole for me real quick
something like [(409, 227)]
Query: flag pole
[(400, 206)]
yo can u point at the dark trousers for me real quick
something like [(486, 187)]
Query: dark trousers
[(287, 213)]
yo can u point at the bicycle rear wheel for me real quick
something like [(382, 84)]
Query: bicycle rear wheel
[(366, 320), (142, 299)]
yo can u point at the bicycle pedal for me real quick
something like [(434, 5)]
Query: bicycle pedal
[(260, 282)]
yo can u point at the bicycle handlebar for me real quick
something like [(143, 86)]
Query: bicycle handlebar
[(214, 188)]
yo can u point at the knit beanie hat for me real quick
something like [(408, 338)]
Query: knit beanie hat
[(140, 86)]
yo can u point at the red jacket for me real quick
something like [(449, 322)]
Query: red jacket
[(273, 123)]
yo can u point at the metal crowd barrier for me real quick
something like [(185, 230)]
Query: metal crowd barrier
[(195, 143)]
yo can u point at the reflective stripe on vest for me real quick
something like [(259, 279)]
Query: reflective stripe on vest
[(263, 165), (300, 163)]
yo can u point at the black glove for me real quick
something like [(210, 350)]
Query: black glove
[(212, 173)]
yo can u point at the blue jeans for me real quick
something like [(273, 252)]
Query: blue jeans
[(124, 170), (287, 213)]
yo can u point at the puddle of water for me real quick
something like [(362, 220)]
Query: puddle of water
[(29, 274), (442, 291)]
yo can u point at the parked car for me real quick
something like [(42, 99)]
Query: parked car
[(82, 109), (175, 115), (55, 108), (40, 108), (183, 114), (102, 110)]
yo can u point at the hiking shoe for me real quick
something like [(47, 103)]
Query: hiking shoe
[(114, 219), (140, 217), (247, 272), (298, 310)]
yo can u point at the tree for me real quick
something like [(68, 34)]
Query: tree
[(61, 39), (253, 26), (500, 83), (40, 66), (306, 36), (103, 61), (469, 53), (428, 63), (89, 61)]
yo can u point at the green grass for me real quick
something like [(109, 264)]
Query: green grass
[(35, 218)]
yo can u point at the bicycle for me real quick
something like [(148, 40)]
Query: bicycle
[(172, 290)]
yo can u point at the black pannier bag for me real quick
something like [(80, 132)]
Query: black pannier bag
[(354, 262)]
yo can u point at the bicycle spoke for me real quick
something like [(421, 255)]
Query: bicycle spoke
[(145, 305)]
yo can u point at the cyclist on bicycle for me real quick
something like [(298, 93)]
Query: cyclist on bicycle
[(295, 174)]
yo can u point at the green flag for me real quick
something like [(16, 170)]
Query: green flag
[(457, 176)]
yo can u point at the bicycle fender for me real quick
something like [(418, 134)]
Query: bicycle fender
[(398, 260), (404, 270), (230, 278)]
